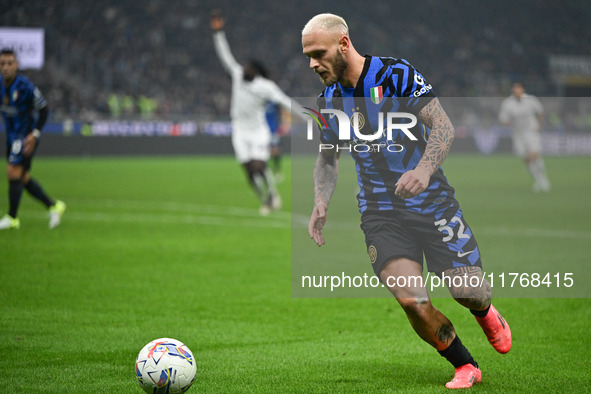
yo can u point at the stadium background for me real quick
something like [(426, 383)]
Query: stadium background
[(173, 246), (152, 62)]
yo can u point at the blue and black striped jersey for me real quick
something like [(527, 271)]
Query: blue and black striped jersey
[(19, 104), (386, 85)]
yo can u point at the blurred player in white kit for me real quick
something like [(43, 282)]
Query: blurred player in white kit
[(251, 135), (524, 113)]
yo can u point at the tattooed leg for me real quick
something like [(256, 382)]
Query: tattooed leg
[(428, 322), (474, 297)]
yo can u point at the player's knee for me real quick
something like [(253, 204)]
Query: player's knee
[(416, 307), (474, 303), (531, 157), (14, 173), (474, 298), (258, 166)]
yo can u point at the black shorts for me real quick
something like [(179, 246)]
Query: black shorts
[(15, 155), (442, 236)]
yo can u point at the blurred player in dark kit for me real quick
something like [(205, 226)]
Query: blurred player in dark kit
[(20, 101)]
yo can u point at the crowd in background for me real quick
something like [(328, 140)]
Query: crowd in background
[(162, 51)]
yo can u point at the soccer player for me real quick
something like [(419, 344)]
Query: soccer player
[(407, 207), (251, 136), (20, 100), (524, 113)]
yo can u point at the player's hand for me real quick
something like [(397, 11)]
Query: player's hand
[(317, 221), (216, 22), (412, 183), (29, 146)]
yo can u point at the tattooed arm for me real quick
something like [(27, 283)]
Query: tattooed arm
[(441, 138), (325, 181), (413, 182)]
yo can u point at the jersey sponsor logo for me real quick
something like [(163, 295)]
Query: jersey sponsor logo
[(15, 95), (423, 90)]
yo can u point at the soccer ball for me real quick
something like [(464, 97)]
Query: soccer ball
[(165, 365)]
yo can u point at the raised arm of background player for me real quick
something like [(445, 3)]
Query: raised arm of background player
[(415, 181), (270, 91), (222, 48)]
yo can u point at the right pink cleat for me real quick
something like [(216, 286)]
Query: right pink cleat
[(466, 376), (496, 329)]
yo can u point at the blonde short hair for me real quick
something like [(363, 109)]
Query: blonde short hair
[(328, 22)]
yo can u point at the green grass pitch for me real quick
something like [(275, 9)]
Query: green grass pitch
[(174, 247)]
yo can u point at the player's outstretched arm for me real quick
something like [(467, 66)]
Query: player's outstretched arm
[(414, 182), (325, 181), (274, 94), (222, 48)]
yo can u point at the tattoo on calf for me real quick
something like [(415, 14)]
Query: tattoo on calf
[(445, 333)]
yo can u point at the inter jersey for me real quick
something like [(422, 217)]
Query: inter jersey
[(19, 104), (386, 85)]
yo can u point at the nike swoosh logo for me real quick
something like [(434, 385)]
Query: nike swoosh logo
[(465, 253)]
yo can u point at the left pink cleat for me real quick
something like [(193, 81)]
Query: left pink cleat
[(466, 376)]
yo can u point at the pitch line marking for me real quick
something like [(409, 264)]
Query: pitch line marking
[(182, 207), (168, 219)]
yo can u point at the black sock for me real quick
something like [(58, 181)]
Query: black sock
[(251, 178), (457, 354), (481, 313), (268, 191), (15, 191), (35, 189)]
